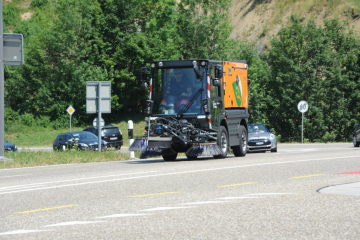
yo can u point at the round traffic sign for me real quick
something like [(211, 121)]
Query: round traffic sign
[(302, 106), (102, 122)]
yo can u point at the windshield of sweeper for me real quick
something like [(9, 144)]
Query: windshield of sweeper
[(176, 88)]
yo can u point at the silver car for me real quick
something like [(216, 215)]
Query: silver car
[(261, 139)]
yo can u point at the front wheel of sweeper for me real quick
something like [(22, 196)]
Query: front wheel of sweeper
[(170, 157), (222, 142)]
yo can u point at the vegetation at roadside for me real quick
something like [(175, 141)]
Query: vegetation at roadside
[(40, 158), (27, 136)]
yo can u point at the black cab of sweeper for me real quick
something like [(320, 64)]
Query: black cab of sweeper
[(182, 88)]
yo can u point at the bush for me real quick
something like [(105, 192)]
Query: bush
[(10, 115), (329, 137), (43, 121), (60, 123), (27, 119)]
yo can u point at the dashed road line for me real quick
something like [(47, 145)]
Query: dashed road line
[(46, 209), (72, 223), (315, 175)]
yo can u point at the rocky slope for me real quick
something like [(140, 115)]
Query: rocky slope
[(258, 20)]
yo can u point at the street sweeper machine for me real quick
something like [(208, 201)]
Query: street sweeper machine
[(198, 107)]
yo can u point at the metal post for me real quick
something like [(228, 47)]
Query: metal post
[(2, 99), (131, 137), (99, 116), (70, 122), (302, 127)]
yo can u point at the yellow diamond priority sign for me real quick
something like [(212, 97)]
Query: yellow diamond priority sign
[(70, 110)]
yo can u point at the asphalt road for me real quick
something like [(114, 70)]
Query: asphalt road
[(304, 191)]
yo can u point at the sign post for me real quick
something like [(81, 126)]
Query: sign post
[(11, 53), (98, 100), (70, 110), (302, 107)]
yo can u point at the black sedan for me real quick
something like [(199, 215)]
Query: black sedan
[(79, 140), (9, 146), (261, 139)]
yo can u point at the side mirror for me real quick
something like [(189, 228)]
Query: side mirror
[(144, 84), (219, 71), (271, 130), (149, 106), (144, 73), (216, 82), (198, 73), (249, 81)]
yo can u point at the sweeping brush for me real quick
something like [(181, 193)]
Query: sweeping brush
[(204, 149), (138, 144), (150, 152)]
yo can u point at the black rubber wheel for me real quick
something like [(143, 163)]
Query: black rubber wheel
[(241, 149), (274, 150), (170, 157), (356, 144), (191, 157), (222, 142)]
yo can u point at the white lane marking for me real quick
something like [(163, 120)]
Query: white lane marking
[(70, 180), (73, 223), (204, 202), (162, 208), (184, 172), (21, 187), (267, 194), (124, 215), (233, 198), (15, 176), (56, 165), (22, 232)]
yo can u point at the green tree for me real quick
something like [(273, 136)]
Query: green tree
[(316, 64)]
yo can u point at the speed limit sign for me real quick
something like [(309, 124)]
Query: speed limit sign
[(302, 106)]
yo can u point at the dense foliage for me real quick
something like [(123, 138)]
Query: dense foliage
[(320, 65), (69, 42)]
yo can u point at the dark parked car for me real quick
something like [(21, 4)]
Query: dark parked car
[(9, 146), (111, 134), (356, 136), (79, 140), (260, 138)]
